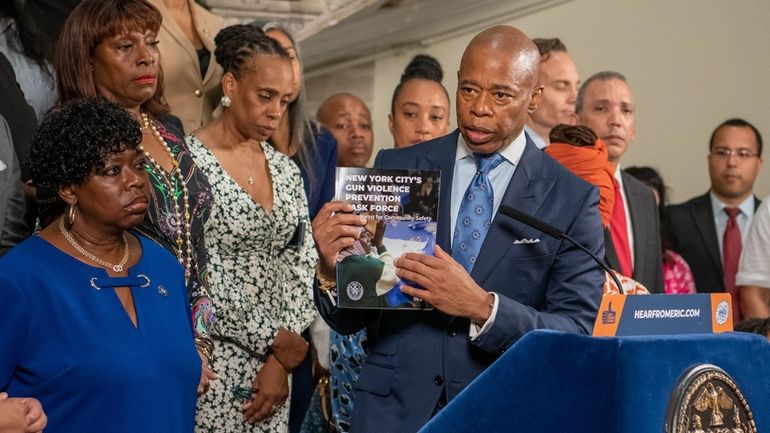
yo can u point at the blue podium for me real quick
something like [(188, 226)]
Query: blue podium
[(564, 383)]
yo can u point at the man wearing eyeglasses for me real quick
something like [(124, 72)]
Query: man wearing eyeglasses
[(709, 231)]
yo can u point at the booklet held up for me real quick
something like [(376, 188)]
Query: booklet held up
[(401, 207)]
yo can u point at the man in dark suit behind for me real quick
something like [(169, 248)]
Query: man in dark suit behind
[(632, 242), (697, 227), (520, 279)]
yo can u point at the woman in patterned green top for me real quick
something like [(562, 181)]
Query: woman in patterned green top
[(109, 48)]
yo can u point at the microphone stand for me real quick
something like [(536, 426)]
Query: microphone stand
[(555, 233)]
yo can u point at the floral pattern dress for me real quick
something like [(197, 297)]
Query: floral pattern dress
[(677, 275), (162, 221), (259, 281)]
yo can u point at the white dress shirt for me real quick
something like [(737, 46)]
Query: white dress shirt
[(539, 141)]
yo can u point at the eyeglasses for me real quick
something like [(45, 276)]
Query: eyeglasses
[(724, 153)]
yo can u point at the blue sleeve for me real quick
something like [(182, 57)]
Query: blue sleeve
[(572, 293), (328, 151), (318, 178), (14, 327)]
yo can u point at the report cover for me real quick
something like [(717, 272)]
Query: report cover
[(401, 207)]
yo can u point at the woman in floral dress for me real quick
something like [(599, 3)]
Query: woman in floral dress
[(261, 253)]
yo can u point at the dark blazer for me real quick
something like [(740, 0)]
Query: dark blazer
[(693, 234), (414, 357), (645, 225)]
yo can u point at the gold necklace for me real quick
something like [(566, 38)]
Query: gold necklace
[(79, 248), (183, 237)]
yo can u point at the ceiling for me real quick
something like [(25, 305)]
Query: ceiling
[(301, 16), (334, 32), (398, 24)]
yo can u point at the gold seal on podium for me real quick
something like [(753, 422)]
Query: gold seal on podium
[(707, 400)]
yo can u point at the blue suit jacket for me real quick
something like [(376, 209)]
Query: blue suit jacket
[(415, 355)]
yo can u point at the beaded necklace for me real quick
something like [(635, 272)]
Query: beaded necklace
[(183, 237)]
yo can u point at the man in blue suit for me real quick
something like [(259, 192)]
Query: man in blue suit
[(487, 296)]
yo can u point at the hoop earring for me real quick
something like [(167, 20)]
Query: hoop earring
[(71, 215), (225, 101)]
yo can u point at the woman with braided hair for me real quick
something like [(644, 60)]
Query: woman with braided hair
[(261, 253)]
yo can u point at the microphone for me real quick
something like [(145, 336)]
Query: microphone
[(555, 233)]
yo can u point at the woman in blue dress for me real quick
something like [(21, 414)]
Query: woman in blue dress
[(96, 322), (110, 48)]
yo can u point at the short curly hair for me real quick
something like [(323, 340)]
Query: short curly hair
[(75, 139)]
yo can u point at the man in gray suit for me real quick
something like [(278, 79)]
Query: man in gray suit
[(632, 242), (13, 229)]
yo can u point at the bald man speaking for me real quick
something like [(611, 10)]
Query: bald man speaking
[(492, 279)]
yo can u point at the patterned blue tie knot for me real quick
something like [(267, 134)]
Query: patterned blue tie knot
[(487, 163)]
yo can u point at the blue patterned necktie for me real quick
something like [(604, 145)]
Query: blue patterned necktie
[(475, 215)]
